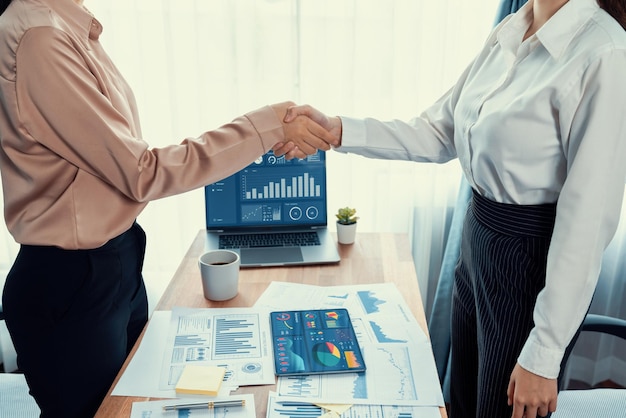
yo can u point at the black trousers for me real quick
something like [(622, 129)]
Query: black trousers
[(73, 317), (501, 270)]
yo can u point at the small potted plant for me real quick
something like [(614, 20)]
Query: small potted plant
[(346, 225)]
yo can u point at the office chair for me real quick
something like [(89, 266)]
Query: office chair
[(15, 401), (597, 403)]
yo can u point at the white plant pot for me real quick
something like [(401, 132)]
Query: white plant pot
[(346, 233)]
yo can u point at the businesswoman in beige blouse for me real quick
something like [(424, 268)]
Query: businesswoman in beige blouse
[(76, 173)]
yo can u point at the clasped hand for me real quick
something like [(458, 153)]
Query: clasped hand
[(306, 130)]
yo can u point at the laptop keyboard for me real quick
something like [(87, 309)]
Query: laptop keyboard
[(283, 239)]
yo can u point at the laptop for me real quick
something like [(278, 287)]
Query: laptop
[(273, 213)]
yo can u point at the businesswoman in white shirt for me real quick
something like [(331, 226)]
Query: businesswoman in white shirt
[(537, 123)]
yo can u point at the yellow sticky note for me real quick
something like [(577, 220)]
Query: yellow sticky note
[(200, 380), (335, 408)]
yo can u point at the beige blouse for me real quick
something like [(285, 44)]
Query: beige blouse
[(75, 168)]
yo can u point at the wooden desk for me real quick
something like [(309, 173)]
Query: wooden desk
[(373, 258)]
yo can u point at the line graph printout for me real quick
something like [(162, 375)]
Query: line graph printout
[(235, 338), (395, 377), (278, 408), (401, 368), (378, 311)]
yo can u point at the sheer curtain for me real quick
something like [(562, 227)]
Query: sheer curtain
[(196, 64), (214, 60)]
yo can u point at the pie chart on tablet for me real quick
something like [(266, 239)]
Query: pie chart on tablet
[(327, 354)]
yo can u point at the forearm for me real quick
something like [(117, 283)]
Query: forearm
[(397, 140)]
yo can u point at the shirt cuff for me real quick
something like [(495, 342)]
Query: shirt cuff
[(540, 360), (352, 133), (267, 125)]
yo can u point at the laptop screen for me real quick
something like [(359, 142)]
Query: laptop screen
[(271, 193)]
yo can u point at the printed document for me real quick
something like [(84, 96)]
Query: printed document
[(200, 336), (400, 365), (237, 339), (277, 408)]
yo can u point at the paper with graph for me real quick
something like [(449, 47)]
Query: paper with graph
[(400, 365), (237, 339), (279, 408)]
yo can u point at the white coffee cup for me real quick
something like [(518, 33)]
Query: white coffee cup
[(219, 270)]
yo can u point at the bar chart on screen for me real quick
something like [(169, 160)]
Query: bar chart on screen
[(301, 184)]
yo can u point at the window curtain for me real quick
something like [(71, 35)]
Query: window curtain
[(197, 64), (432, 227), (507, 7)]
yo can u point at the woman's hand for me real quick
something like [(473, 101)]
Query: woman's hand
[(331, 124), (531, 395), (303, 135), (296, 114)]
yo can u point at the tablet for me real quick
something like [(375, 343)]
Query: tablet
[(315, 342)]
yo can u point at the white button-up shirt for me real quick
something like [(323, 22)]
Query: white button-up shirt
[(535, 121)]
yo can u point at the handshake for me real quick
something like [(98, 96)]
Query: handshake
[(306, 130)]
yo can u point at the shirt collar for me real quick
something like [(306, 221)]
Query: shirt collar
[(79, 20), (556, 34)]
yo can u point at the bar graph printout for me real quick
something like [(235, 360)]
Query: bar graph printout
[(277, 408), (400, 366), (235, 338)]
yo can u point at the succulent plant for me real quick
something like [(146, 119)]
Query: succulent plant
[(346, 216)]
